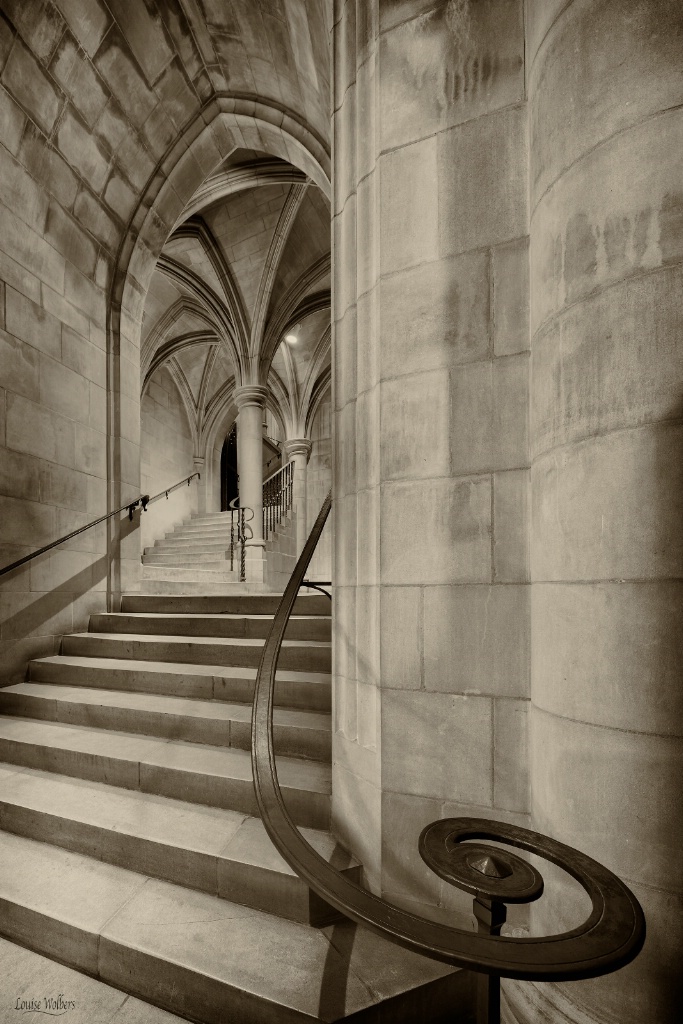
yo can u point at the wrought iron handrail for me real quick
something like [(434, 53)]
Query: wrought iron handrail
[(610, 937), (278, 497), (142, 500)]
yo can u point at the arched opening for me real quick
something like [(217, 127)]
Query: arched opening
[(229, 474)]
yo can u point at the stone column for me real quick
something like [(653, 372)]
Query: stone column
[(431, 470), (200, 485), (298, 451), (606, 259), (250, 400)]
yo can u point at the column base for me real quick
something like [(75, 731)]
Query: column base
[(255, 561)]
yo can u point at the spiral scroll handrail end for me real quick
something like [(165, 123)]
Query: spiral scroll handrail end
[(612, 935)]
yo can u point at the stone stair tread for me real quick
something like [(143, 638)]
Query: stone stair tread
[(304, 627), (191, 952), (195, 616), (103, 1004), (165, 705), (229, 641), (222, 671), (213, 831), (264, 603), (308, 691), (157, 752)]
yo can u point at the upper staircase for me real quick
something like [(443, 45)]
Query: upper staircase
[(194, 558), (131, 848)]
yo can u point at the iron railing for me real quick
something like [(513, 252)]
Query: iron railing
[(240, 533), (610, 937), (143, 501), (278, 496)]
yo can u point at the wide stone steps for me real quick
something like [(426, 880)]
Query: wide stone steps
[(221, 724), (206, 958), (195, 532), (131, 847), (170, 579), (197, 773), (187, 559), (215, 533), (209, 517), (188, 545), (222, 852), (253, 604), (20, 968), (297, 655), (313, 627), (310, 690)]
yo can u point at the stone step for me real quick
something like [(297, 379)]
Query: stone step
[(161, 585), (189, 544), (20, 968), (308, 690), (210, 517), (204, 530), (211, 536), (295, 655), (297, 733), (222, 568), (249, 604), (184, 558), (208, 959), (190, 624), (197, 773), (194, 574), (222, 852)]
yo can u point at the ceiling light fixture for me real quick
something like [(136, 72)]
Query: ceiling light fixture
[(293, 336)]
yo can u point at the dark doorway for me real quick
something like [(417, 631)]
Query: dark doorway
[(229, 477)]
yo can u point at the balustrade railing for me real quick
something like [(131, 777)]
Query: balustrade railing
[(278, 496), (610, 937)]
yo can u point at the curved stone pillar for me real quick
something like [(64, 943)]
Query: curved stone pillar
[(298, 451), (250, 400), (606, 281)]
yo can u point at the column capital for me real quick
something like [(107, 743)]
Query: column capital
[(298, 446), (250, 394)]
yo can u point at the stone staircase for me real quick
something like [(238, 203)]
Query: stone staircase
[(193, 558), (130, 847)]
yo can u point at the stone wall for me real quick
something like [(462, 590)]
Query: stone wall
[(606, 260), (431, 460), (506, 531), (318, 483), (100, 105), (166, 452)]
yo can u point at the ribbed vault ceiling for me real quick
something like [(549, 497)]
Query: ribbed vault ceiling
[(248, 264)]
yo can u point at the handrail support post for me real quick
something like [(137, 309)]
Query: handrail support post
[(491, 916)]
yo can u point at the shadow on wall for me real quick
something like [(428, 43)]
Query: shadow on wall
[(48, 615)]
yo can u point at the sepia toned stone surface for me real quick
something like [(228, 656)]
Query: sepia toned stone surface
[(487, 198)]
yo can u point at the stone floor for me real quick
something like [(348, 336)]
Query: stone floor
[(27, 979)]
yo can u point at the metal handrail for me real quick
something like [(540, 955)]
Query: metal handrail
[(143, 500), (612, 935), (278, 497), (273, 475)]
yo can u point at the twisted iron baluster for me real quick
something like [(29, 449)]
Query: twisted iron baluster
[(242, 553), (232, 538)]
